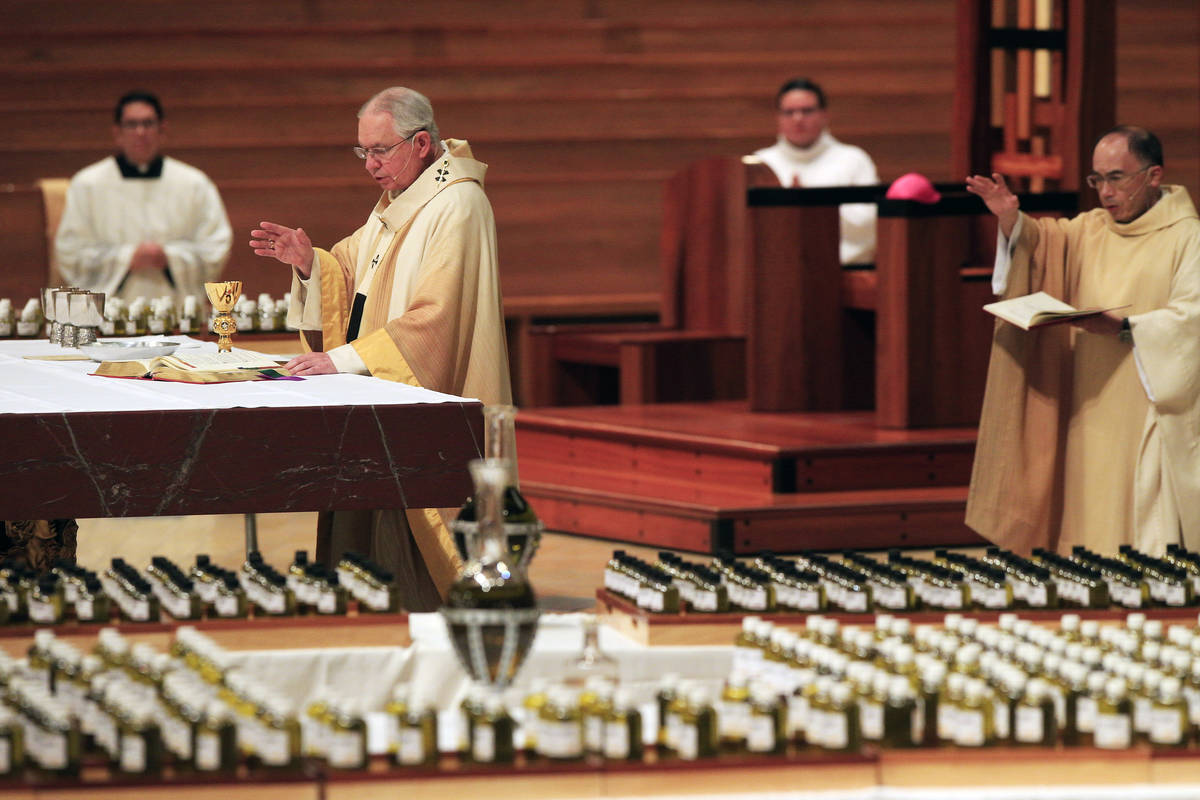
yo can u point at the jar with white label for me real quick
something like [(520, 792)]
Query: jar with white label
[(623, 728), (492, 734), (216, 748), (1114, 717)]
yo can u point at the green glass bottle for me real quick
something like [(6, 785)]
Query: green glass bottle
[(46, 604), (623, 728), (733, 711), (1114, 717), (492, 736), (348, 748), (1034, 717), (417, 734), (216, 747), (280, 739), (843, 730), (560, 732), (141, 749), (903, 720), (766, 728), (12, 743), (697, 731), (1169, 726)]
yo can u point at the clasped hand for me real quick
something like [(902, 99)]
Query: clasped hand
[(289, 245), (147, 257)]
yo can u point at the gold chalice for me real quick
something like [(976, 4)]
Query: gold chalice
[(224, 296)]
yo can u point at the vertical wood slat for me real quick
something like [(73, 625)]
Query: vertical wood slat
[(1091, 82), (973, 104)]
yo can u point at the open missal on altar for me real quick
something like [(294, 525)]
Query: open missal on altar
[(1035, 310), (197, 367)]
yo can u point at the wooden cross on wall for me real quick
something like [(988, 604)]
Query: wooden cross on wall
[(1036, 87)]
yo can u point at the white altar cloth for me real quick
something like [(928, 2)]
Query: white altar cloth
[(29, 386)]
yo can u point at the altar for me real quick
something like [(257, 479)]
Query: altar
[(73, 444)]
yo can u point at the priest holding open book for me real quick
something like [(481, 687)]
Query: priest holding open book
[(1090, 432)]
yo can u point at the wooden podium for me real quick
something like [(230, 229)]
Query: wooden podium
[(931, 278), (793, 318)]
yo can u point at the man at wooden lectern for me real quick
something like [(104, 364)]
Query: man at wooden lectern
[(412, 296), (806, 154), (1089, 432)]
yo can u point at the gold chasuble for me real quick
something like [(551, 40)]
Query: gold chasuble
[(1086, 439), (433, 317)]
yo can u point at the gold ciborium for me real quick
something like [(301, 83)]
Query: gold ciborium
[(224, 296)]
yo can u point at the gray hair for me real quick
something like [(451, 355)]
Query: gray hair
[(411, 111)]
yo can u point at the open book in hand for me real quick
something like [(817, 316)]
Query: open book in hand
[(1039, 308), (197, 367)]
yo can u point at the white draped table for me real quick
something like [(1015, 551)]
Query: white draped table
[(74, 444)]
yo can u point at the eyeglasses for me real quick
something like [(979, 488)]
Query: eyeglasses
[(381, 153), (1117, 180), (806, 111)]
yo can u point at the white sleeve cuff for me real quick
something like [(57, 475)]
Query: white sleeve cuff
[(1004, 248), (314, 271), (346, 359), (1137, 359)]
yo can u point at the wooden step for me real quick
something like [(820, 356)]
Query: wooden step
[(685, 451), (709, 476), (927, 517)]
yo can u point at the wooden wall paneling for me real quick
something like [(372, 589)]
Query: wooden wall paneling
[(22, 226), (216, 39), (794, 351), (1091, 81), (151, 15), (225, 157), (971, 146), (154, 14), (512, 76), (605, 228)]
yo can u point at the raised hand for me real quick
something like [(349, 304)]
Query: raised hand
[(289, 245), (995, 194)]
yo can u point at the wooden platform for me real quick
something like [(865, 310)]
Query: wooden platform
[(704, 477)]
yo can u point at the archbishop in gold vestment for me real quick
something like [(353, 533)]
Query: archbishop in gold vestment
[(433, 317), (1085, 439)]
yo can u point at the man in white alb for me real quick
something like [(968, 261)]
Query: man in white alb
[(806, 154), (140, 223)]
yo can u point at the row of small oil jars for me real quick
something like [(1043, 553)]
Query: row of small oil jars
[(1015, 682)]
